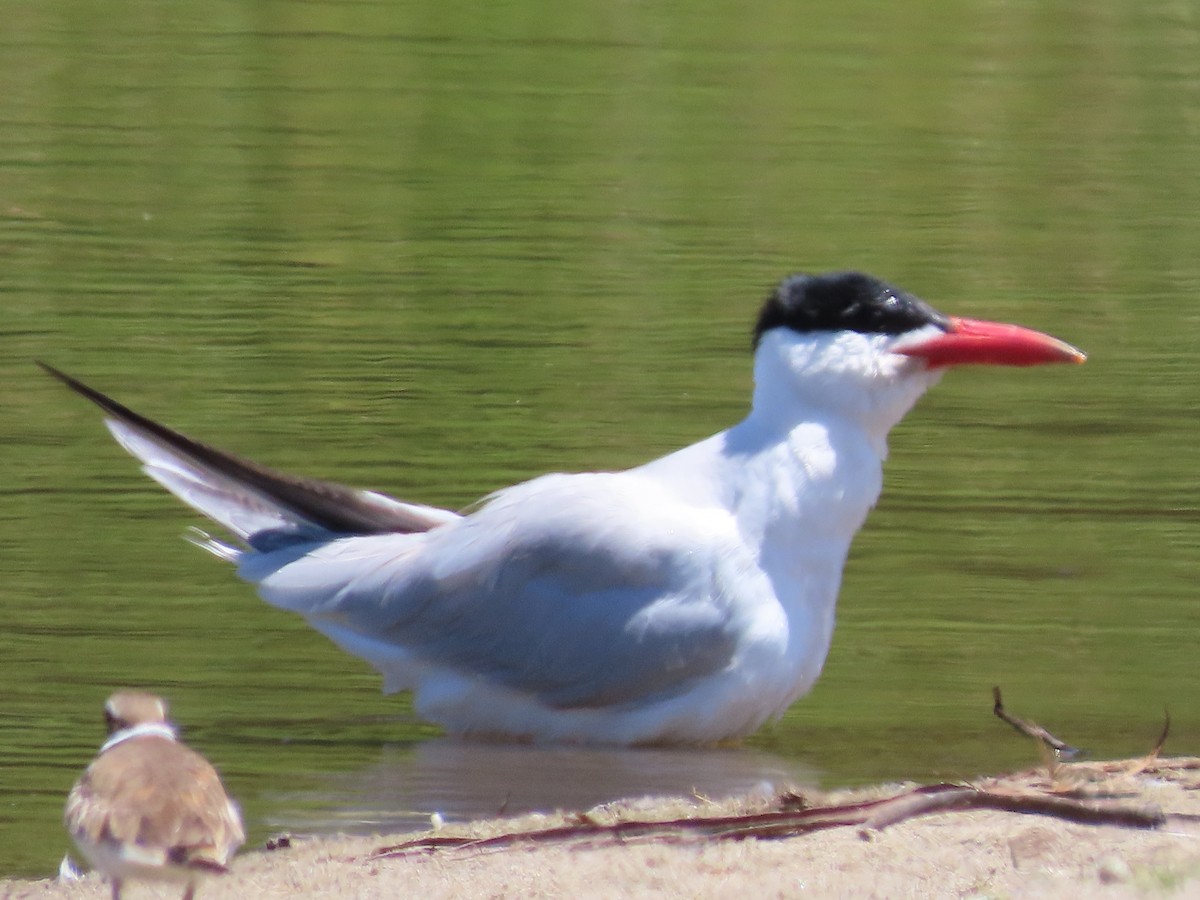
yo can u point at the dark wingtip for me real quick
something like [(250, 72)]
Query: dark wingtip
[(195, 858), (327, 505), (105, 402), (74, 384), (50, 370)]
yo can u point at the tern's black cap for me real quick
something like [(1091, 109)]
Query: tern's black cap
[(844, 301)]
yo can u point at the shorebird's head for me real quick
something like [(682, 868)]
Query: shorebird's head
[(127, 709)]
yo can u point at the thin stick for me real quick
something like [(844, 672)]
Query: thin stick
[(1162, 738), (1151, 759), (1062, 750)]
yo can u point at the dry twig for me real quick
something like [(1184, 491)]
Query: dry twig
[(1062, 750), (1162, 738)]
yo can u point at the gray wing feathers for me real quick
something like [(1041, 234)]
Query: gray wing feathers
[(243, 512), (573, 616)]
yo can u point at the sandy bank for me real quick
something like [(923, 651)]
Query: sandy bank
[(927, 843)]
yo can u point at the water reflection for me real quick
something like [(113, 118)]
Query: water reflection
[(463, 781)]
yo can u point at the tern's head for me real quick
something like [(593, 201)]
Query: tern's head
[(851, 342)]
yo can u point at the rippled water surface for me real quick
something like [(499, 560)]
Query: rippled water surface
[(439, 248)]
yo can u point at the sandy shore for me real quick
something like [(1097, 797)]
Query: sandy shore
[(1028, 840)]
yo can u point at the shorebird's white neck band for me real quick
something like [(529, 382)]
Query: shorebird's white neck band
[(146, 729)]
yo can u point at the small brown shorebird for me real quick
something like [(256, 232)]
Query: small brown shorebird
[(148, 807)]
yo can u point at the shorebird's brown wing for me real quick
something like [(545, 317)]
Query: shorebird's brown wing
[(162, 801)]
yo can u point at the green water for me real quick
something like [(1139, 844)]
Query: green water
[(438, 248)]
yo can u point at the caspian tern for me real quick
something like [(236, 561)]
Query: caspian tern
[(687, 600)]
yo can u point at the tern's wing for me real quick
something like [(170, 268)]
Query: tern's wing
[(249, 499), (582, 590), (579, 590)]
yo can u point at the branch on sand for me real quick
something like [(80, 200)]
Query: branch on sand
[(871, 816)]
